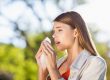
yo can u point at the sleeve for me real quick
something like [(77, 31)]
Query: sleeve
[(96, 70)]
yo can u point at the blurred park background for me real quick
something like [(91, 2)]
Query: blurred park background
[(25, 23)]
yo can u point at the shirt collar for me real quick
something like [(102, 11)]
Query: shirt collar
[(80, 60)]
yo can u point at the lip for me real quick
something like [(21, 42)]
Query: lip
[(57, 42)]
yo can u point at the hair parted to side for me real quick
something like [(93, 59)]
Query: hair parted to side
[(75, 21)]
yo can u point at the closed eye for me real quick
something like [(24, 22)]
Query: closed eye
[(60, 30)]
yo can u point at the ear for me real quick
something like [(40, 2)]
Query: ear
[(75, 32)]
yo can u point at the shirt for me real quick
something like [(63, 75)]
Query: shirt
[(86, 67)]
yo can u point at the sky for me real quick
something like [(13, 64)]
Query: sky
[(93, 11)]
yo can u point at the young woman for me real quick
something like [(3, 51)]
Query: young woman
[(82, 61)]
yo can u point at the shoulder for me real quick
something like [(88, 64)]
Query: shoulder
[(96, 69), (97, 61), (96, 66)]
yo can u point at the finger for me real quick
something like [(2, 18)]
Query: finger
[(39, 52), (38, 55), (49, 45), (48, 52), (49, 55), (40, 49)]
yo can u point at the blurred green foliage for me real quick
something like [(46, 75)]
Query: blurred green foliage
[(21, 63), (14, 60), (103, 49)]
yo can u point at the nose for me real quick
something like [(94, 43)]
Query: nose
[(53, 36)]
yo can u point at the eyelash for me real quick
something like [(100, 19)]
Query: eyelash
[(59, 30)]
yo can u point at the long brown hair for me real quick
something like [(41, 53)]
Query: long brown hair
[(75, 21)]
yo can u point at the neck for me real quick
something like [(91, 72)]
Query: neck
[(73, 52)]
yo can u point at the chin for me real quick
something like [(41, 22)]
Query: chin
[(61, 49)]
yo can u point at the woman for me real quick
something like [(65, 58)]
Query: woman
[(82, 61)]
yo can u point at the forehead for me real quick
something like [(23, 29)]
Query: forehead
[(57, 25)]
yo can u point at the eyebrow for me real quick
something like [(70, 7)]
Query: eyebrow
[(58, 27)]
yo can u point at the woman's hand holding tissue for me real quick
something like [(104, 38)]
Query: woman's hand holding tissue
[(42, 70), (50, 55), (47, 55)]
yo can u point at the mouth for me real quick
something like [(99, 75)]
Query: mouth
[(57, 42)]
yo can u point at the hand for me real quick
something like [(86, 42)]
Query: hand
[(50, 55), (51, 61), (42, 70)]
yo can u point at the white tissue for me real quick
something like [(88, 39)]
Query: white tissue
[(43, 57)]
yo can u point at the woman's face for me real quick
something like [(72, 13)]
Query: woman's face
[(63, 35)]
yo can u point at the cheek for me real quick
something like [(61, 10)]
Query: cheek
[(68, 36), (67, 40)]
